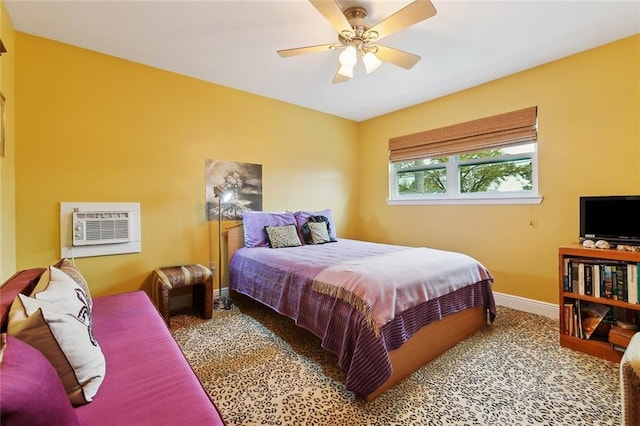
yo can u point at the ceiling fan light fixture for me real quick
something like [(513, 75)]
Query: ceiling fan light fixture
[(371, 62), (358, 38), (348, 57), (346, 70)]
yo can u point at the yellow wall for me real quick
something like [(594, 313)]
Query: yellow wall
[(93, 128), (7, 163), (589, 144)]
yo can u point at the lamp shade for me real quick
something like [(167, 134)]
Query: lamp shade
[(346, 70), (371, 62), (348, 57)]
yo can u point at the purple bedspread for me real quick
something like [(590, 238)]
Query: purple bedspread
[(282, 279)]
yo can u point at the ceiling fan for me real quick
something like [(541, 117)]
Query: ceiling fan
[(358, 38)]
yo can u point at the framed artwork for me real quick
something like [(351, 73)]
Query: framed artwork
[(3, 123), (244, 180)]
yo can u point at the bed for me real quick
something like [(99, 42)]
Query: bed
[(340, 292)]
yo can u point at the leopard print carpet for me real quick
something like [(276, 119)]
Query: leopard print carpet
[(260, 368)]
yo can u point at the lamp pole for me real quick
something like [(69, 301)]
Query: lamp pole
[(223, 196)]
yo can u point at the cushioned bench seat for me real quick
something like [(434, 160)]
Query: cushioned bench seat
[(147, 371), (146, 381)]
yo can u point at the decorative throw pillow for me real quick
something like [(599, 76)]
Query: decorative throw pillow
[(68, 267), (31, 391), (319, 232), (66, 294), (302, 217), (282, 236), (306, 232), (254, 222), (65, 341)]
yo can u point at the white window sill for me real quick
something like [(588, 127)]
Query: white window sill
[(512, 199)]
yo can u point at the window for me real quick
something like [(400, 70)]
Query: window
[(491, 160), (506, 170)]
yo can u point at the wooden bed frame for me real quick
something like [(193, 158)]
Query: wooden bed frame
[(427, 344)]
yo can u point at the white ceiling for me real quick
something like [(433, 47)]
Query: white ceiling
[(234, 43)]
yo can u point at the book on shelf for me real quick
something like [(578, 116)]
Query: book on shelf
[(611, 279), (607, 282), (581, 278), (578, 320), (591, 315), (632, 274), (568, 319), (574, 275), (588, 279), (620, 283)]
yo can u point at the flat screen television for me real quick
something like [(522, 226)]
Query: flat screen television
[(615, 219)]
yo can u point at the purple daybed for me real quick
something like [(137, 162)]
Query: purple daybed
[(147, 382)]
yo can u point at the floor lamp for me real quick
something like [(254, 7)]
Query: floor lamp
[(223, 196)]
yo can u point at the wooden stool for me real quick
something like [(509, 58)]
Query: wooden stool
[(163, 280)]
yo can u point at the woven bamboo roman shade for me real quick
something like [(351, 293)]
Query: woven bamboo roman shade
[(476, 135)]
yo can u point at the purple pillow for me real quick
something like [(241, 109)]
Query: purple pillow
[(302, 217), (31, 391), (254, 223)]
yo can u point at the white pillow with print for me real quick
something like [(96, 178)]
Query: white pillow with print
[(66, 341), (65, 293)]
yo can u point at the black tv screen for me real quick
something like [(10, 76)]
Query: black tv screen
[(615, 219)]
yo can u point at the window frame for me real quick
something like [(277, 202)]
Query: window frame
[(453, 194)]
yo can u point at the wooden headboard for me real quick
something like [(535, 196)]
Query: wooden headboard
[(235, 240)]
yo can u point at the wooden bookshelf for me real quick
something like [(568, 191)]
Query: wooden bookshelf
[(601, 349)]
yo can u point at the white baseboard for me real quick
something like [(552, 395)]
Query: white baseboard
[(527, 305)]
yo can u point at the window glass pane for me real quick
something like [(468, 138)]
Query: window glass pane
[(507, 176), (498, 172), (510, 150), (431, 181), (420, 163)]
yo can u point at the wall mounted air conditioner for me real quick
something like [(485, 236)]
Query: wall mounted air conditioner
[(101, 227)]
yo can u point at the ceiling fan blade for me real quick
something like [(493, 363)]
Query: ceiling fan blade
[(396, 57), (332, 13), (308, 49), (411, 14)]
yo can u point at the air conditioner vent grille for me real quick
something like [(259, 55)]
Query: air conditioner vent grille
[(100, 228)]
